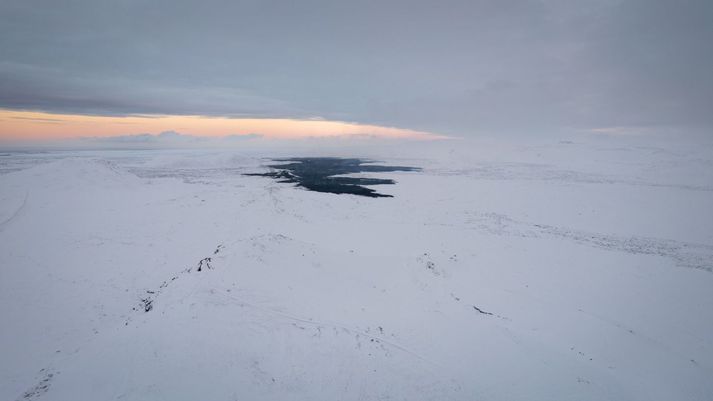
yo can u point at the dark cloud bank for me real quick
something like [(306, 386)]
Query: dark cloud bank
[(455, 67)]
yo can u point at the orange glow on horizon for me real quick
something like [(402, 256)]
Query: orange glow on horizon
[(31, 125)]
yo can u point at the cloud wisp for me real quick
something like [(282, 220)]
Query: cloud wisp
[(164, 129)]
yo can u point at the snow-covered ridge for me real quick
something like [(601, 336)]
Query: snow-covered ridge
[(75, 171)]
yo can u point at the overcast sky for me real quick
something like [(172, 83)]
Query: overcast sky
[(451, 67)]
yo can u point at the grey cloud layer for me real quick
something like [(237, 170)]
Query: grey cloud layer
[(456, 67)]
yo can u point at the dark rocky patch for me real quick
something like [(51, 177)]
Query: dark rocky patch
[(41, 387), (323, 174), (205, 262), (146, 303)]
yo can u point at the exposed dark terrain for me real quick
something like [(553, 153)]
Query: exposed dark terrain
[(323, 174)]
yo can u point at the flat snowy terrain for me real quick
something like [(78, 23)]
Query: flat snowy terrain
[(562, 271)]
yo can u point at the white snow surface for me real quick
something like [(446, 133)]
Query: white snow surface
[(560, 271)]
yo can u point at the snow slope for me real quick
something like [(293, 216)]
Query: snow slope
[(548, 272)]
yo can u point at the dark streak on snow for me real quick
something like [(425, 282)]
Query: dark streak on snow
[(481, 311)]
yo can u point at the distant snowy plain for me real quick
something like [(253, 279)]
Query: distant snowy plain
[(554, 271)]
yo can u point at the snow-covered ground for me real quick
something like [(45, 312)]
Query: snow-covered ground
[(560, 271)]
